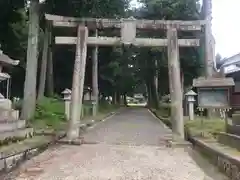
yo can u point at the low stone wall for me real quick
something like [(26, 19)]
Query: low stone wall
[(11, 160), (229, 165), (229, 140), (233, 129)]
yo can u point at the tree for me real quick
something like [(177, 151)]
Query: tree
[(13, 39), (218, 62), (120, 71), (191, 64), (29, 99)]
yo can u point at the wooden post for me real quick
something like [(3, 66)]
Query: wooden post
[(95, 77), (78, 82), (175, 84)]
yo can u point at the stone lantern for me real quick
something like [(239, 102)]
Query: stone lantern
[(67, 100), (190, 96)]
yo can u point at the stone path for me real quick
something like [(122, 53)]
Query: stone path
[(125, 147)]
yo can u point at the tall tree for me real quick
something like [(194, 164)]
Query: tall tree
[(29, 99), (13, 39), (44, 63)]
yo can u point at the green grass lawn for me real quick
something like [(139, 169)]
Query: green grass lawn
[(201, 127), (50, 115), (207, 128)]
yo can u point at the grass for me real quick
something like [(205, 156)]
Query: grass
[(50, 114), (206, 128), (200, 127)]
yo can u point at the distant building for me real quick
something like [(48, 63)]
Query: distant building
[(230, 67)]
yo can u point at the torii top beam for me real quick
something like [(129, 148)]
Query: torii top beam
[(93, 23)]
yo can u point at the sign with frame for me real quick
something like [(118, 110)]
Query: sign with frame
[(213, 97)]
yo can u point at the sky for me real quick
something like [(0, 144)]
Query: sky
[(225, 26)]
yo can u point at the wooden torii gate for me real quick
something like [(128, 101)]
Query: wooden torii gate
[(128, 29)]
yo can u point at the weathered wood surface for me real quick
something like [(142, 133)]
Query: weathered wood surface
[(175, 84), (116, 41), (93, 23), (78, 82)]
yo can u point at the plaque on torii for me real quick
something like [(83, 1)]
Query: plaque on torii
[(128, 30)]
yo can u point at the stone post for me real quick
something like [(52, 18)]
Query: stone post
[(78, 83), (190, 99), (175, 84), (67, 100), (95, 90)]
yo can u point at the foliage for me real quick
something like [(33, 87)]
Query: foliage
[(207, 128), (191, 64), (49, 112), (105, 107), (200, 126), (122, 70), (13, 39)]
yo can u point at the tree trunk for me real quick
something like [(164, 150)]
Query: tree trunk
[(41, 89), (149, 93), (125, 99), (50, 78), (156, 76), (209, 44), (95, 75), (154, 94), (118, 98), (115, 97), (29, 100)]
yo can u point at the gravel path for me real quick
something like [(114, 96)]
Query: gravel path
[(132, 126), (127, 148)]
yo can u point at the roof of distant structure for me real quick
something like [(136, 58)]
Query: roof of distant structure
[(231, 64), (5, 59)]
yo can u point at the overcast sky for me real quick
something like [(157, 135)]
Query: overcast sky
[(226, 26)]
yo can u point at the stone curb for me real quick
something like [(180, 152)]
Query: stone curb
[(170, 142), (13, 161), (159, 119), (18, 158)]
